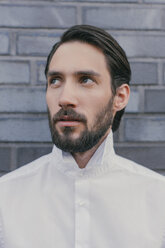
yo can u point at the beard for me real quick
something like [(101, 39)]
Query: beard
[(87, 138)]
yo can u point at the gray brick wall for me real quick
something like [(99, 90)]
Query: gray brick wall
[(29, 28)]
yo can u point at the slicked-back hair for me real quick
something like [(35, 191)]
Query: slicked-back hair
[(116, 59)]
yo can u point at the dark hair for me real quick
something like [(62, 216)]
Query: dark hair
[(116, 58)]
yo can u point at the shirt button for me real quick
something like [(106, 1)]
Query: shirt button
[(81, 203)]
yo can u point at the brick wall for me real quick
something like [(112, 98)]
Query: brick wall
[(28, 29)]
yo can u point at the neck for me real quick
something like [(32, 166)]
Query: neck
[(82, 158)]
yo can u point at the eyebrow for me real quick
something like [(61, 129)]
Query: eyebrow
[(87, 73), (77, 73), (53, 73)]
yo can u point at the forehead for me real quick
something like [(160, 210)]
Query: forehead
[(76, 55)]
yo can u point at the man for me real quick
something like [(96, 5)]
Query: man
[(83, 195)]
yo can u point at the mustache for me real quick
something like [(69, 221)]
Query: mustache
[(69, 113)]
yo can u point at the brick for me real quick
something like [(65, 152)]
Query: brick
[(164, 73), (24, 129), (2, 173), (27, 154), (14, 72), (154, 1), (37, 16), (152, 157), (22, 99), (35, 44), (145, 128), (144, 73), (155, 100), (109, 1), (4, 47), (123, 17), (133, 104), (142, 44), (41, 72), (162, 172), (5, 157)]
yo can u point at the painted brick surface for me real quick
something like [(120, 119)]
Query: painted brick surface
[(121, 17), (5, 159), (22, 99), (4, 43), (144, 155), (14, 72), (164, 74), (133, 104), (39, 16), (155, 100), (107, 1), (145, 129), (41, 72), (142, 44), (25, 129), (35, 45), (154, 1), (144, 73), (27, 154)]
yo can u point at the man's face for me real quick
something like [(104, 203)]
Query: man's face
[(79, 97)]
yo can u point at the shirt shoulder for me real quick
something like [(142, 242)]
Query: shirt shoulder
[(138, 169), (26, 170)]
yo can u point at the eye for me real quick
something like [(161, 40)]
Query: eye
[(55, 81), (87, 80)]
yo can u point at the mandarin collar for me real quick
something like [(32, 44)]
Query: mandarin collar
[(101, 161)]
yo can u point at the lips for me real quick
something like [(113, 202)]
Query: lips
[(68, 121), (68, 118)]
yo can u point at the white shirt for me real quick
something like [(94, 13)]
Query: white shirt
[(112, 203)]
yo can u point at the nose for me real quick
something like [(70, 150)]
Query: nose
[(68, 96)]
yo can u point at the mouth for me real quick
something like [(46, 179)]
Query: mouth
[(68, 121)]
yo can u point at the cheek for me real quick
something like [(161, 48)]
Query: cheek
[(96, 105), (93, 107)]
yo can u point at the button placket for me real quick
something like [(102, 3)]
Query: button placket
[(82, 214)]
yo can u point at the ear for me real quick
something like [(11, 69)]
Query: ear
[(121, 97)]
